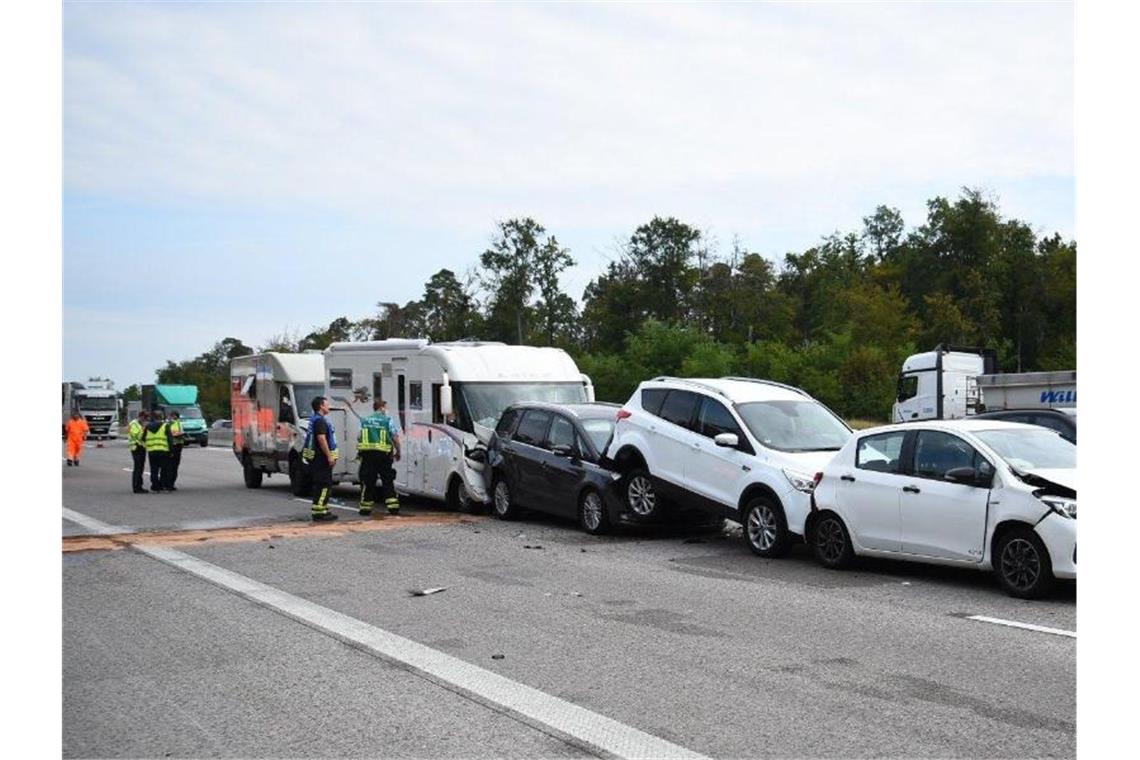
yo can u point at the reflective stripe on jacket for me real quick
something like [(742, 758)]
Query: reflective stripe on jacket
[(375, 433), (156, 440), (134, 435)]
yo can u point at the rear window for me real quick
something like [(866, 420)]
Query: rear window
[(651, 399), (679, 406)]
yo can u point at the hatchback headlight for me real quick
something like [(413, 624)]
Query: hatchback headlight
[(1061, 505), (801, 481)]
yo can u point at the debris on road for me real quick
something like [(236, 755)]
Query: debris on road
[(426, 591), (532, 546), (497, 656)]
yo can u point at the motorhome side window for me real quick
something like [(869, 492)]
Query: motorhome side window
[(340, 378), (908, 387), (416, 395)]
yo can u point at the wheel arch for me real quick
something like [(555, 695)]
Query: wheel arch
[(629, 457), (1000, 530), (753, 491)]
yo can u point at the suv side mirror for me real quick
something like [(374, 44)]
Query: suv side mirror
[(727, 440)]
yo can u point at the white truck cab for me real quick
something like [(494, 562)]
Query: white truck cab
[(446, 399)]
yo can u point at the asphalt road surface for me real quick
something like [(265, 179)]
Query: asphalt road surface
[(218, 622)]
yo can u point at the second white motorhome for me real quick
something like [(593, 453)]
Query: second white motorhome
[(952, 382), (446, 398)]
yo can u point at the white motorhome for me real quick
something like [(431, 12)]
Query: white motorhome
[(446, 398), (271, 398), (952, 382)]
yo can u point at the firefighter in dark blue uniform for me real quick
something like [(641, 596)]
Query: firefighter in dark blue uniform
[(320, 453)]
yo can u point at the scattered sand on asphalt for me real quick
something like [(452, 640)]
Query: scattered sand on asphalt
[(260, 532)]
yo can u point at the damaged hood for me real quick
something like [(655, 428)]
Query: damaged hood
[(1066, 478)]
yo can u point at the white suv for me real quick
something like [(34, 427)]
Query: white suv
[(738, 447)]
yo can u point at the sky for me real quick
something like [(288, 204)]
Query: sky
[(250, 170)]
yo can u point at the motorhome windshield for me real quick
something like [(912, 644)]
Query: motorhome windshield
[(794, 425), (303, 394), (484, 402), (98, 404)]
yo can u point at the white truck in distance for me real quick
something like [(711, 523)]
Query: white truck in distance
[(97, 402), (952, 382), (446, 399)]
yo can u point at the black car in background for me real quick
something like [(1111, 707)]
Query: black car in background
[(1064, 421), (548, 458)]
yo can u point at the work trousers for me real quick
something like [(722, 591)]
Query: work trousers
[(175, 460), (159, 461), (74, 448), (320, 473), (139, 457), (375, 464)]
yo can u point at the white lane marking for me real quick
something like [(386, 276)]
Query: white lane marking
[(570, 722), (96, 526), (1026, 626)]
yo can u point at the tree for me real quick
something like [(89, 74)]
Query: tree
[(507, 274), (447, 309)]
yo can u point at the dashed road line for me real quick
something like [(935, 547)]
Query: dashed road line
[(1025, 626), (570, 722)]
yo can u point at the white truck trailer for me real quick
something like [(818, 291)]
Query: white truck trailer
[(97, 402), (271, 398), (952, 382), (446, 398)]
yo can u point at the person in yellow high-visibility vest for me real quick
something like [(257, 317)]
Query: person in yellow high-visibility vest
[(138, 451), (156, 439), (379, 442), (175, 425)]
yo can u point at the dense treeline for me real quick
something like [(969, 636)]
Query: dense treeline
[(836, 319)]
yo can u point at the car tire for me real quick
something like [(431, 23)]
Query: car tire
[(502, 499), (252, 476), (299, 479), (831, 543), (1022, 564), (592, 515), (204, 442), (641, 497), (765, 528), (457, 498)]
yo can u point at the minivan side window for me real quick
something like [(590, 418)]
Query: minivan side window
[(651, 399), (532, 428), (561, 432), (679, 406), (880, 453), (506, 423)]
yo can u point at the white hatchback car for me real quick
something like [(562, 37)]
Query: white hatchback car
[(972, 493), (740, 448)]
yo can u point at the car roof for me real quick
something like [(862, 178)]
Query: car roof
[(950, 426), (738, 390), (590, 410)]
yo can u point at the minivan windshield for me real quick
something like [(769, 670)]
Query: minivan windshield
[(1031, 448), (799, 425), (484, 402)]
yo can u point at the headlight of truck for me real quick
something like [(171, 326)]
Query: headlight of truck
[(1061, 505), (801, 481)]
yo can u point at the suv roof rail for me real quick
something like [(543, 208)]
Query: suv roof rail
[(697, 383), (785, 386)]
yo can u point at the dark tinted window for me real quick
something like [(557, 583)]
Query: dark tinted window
[(937, 453), (679, 406), (880, 452), (507, 422), (1054, 423), (716, 419), (651, 399), (561, 432), (532, 429), (908, 387)]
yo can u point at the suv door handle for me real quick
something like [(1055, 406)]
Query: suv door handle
[(848, 478), (911, 489)]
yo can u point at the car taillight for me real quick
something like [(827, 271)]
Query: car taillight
[(622, 414), (818, 477)]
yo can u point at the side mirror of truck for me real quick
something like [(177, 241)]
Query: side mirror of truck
[(445, 408)]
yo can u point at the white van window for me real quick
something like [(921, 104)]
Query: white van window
[(415, 395), (340, 378)]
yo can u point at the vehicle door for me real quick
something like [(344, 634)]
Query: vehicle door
[(868, 492), (525, 475), (675, 437), (562, 472), (715, 471), (939, 517)]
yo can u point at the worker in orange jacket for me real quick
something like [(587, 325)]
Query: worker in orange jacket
[(77, 431)]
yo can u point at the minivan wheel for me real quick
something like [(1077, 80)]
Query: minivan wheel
[(1022, 564), (502, 503), (640, 494), (592, 514), (830, 542), (765, 529)]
